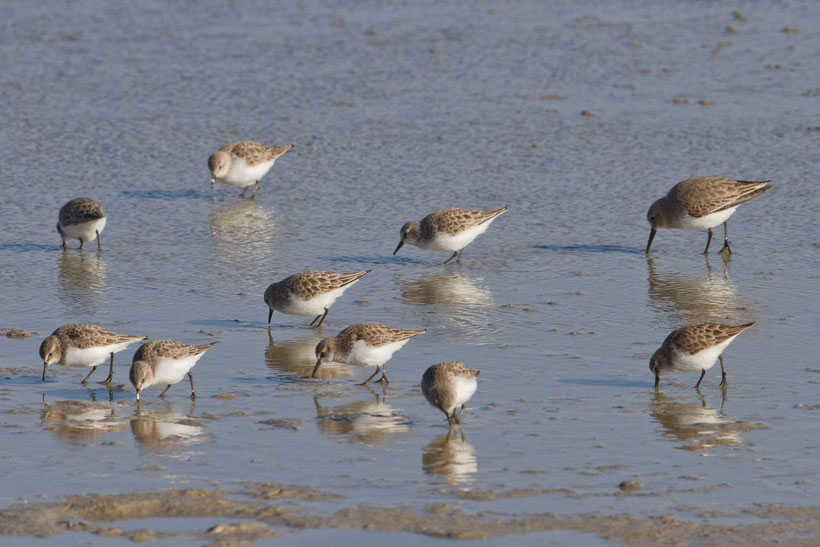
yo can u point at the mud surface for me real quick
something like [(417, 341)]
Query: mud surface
[(104, 515), (577, 116)]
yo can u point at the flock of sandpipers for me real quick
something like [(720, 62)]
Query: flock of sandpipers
[(696, 203)]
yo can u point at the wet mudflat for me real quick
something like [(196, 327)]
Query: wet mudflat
[(396, 111)]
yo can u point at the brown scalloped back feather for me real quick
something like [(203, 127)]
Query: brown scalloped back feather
[(374, 334), (702, 196), (454, 220), (255, 152), (86, 335), (80, 210), (154, 349), (696, 338), (310, 284)]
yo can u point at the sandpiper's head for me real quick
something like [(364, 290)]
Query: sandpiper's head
[(409, 234), (657, 219), (219, 163), (325, 351), (140, 375), (656, 215), (657, 363), (50, 352)]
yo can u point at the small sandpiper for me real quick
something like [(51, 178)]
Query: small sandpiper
[(447, 230), (364, 344), (448, 385), (244, 163), (693, 348), (309, 293), (83, 219), (84, 345), (164, 362), (702, 202)]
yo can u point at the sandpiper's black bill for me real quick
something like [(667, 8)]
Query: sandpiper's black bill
[(398, 247), (651, 237)]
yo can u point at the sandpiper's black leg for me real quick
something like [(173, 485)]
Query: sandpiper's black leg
[(456, 418), (245, 189), (191, 378), (64, 245), (455, 254), (110, 371), (322, 320), (255, 186), (371, 377), (657, 381), (314, 320), (162, 395), (449, 418), (702, 374), (384, 375), (708, 241), (85, 380), (722, 372), (458, 260), (99, 247), (726, 246)]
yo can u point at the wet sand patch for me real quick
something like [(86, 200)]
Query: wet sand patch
[(90, 513)]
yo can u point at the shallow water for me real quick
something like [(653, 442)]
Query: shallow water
[(397, 110)]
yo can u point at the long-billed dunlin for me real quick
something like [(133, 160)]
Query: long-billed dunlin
[(244, 163), (702, 202), (364, 344), (694, 348), (84, 345), (83, 219), (309, 293), (447, 230), (449, 385), (164, 362)]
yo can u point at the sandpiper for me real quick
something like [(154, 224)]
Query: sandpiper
[(244, 163), (702, 202), (309, 293), (84, 345), (83, 219), (364, 344), (447, 230), (693, 348), (164, 362), (448, 385)]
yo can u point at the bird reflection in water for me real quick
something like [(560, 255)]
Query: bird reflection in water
[(451, 456), (454, 296), (242, 234), (81, 422), (369, 421), (698, 426), (697, 297), (298, 357), (81, 282), (164, 428)]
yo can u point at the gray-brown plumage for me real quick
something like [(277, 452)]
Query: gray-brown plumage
[(447, 386), (84, 344), (447, 230), (693, 348), (702, 202), (364, 344), (244, 163), (309, 293), (164, 362), (83, 219)]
